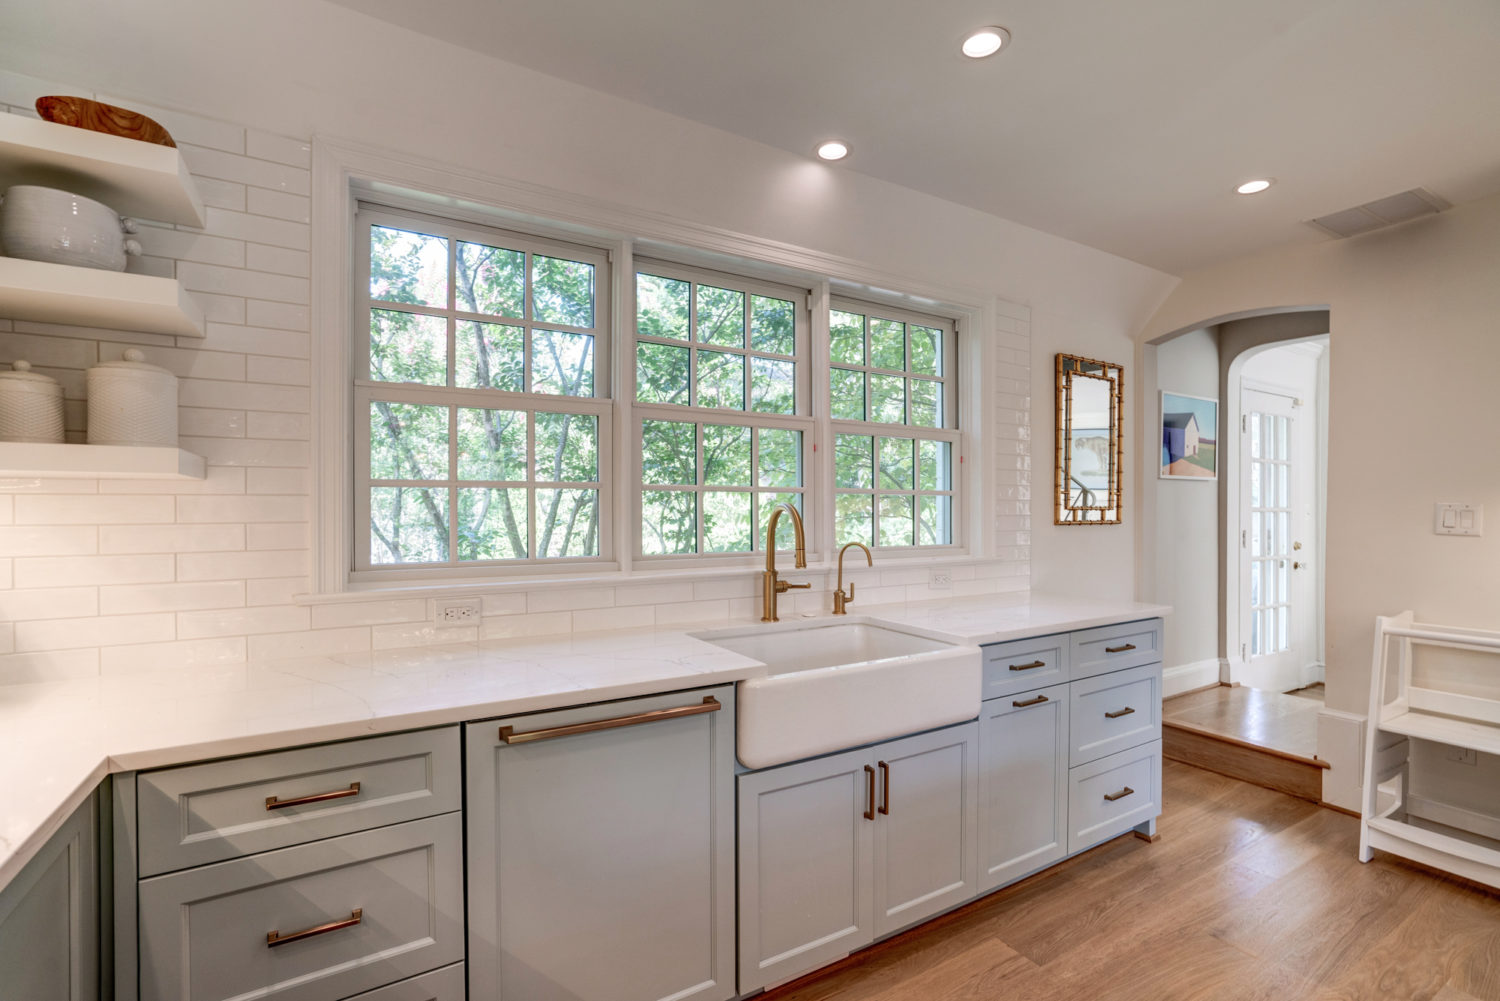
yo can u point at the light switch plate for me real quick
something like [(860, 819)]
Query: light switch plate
[(1458, 519)]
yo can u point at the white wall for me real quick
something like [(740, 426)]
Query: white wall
[(1183, 560), (118, 576), (1414, 345)]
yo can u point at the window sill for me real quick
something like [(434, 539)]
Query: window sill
[(366, 591)]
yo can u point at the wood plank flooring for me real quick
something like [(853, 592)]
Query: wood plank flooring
[(1250, 895), (1273, 720)]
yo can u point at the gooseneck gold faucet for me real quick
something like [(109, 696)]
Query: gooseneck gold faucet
[(840, 599), (772, 584)]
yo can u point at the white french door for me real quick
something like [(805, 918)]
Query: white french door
[(1277, 610)]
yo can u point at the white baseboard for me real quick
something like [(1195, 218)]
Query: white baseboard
[(1341, 743), (1313, 674), (1186, 677)]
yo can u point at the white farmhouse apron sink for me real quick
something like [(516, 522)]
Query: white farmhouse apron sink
[(834, 684)]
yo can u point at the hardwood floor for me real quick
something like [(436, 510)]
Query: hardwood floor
[(1250, 895), (1285, 723)]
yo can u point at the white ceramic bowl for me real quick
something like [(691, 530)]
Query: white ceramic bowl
[(45, 224)]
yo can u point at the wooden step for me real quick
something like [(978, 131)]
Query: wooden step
[(1280, 770)]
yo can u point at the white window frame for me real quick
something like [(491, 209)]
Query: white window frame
[(367, 391), (953, 372), (801, 420), (344, 171)]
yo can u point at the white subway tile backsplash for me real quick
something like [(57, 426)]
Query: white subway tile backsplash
[(36, 540), (184, 363), (246, 170), (103, 630), (141, 657), (50, 665), (242, 395), (101, 509), (7, 637), (242, 621), (18, 605), (513, 626), (7, 509), (247, 451), (258, 340), (242, 566), (277, 260), (400, 635), (570, 598), (310, 643), (274, 590), (280, 205), (280, 149), (595, 619), (123, 600), (236, 281), (276, 481), (290, 427), (220, 480), (231, 508), (170, 538), (221, 194), (281, 315), (287, 371), (7, 572), (221, 308), (191, 245), (66, 571), (258, 229), (277, 535), (200, 422), (370, 613), (503, 604)]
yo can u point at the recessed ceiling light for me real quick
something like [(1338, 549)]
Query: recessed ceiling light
[(833, 149), (1255, 187), (985, 42)]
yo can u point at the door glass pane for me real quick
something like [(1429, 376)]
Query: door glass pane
[(1255, 475), (1283, 487), (1255, 566), (1282, 571), (1255, 632), (1269, 598), (1255, 436), (1282, 523), (1282, 425), (1255, 534)]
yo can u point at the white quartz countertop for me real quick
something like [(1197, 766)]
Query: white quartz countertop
[(58, 740)]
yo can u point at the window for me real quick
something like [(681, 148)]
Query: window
[(488, 439), (892, 401), (722, 400), (482, 436)]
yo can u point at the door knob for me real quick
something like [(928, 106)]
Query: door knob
[(1296, 545), (1298, 566)]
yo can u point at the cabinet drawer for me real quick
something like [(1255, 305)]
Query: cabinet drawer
[(1111, 712), (1021, 665), (205, 934), (225, 809), (1109, 648), (1110, 796), (446, 984)]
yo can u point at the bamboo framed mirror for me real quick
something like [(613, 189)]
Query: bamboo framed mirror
[(1090, 432)]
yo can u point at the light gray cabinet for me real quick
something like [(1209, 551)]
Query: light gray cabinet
[(49, 918), (601, 852), (838, 851), (1023, 753)]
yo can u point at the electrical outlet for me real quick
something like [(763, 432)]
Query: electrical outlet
[(458, 611), (941, 580), (1463, 755)]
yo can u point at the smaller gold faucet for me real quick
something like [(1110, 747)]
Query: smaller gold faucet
[(841, 600), (773, 585)]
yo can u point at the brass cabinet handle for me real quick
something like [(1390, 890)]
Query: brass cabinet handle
[(1029, 702), (1119, 649), (1119, 795), (275, 938), (1119, 712), (869, 793), (1028, 667), (885, 783), (508, 734), (272, 803)]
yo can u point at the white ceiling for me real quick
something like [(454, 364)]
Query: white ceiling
[(1124, 126)]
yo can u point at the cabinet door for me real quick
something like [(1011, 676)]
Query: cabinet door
[(1023, 784), (49, 918), (926, 821), (806, 843), (601, 863)]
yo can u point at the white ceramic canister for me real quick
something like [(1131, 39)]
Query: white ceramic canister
[(132, 403), (45, 224), (31, 406)]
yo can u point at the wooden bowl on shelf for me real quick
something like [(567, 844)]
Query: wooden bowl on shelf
[(96, 116)]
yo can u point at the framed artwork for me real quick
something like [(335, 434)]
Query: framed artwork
[(1189, 437)]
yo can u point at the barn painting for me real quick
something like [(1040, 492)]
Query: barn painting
[(1189, 437)]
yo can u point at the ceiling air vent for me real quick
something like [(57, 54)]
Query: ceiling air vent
[(1380, 213)]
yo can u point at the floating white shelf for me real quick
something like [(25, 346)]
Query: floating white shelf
[(90, 297), (105, 462), (132, 177)]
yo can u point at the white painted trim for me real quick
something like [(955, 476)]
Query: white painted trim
[(1186, 677), (1341, 743), (339, 164), (1473, 821)]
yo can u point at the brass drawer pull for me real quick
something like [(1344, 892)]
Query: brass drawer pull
[(1119, 795), (1029, 702), (885, 795), (275, 938), (1028, 667), (508, 734), (1119, 649), (1119, 712), (869, 793), (272, 803)]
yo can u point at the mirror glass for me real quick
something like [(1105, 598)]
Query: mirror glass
[(1088, 470)]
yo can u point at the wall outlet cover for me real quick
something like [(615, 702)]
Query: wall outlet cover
[(458, 611), (941, 580)]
